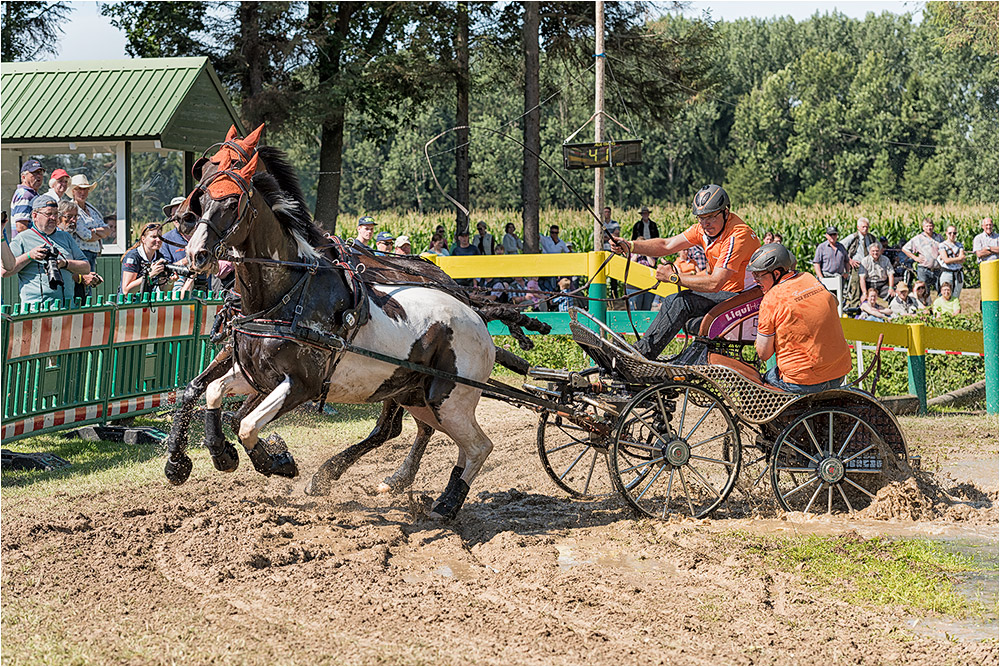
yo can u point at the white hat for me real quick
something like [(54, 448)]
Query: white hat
[(176, 201), (402, 240), (80, 181)]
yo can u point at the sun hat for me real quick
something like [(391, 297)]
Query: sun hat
[(384, 236), (402, 240), (644, 209), (176, 201), (32, 166), (80, 182)]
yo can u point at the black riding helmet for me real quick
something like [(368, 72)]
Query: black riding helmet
[(772, 257), (710, 199)]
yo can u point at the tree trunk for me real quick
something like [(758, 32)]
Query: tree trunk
[(532, 137), (462, 79), (254, 58), (330, 162)]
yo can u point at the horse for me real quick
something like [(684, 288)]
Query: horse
[(303, 303), (221, 377)]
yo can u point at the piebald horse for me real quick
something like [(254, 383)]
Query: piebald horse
[(299, 300)]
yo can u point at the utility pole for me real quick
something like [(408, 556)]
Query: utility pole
[(599, 120)]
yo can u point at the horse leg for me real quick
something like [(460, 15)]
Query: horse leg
[(388, 426), (283, 398), (407, 471), (178, 466), (224, 456)]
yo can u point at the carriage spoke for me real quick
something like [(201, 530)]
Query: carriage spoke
[(830, 436), (650, 483), (860, 488), (666, 500), (644, 464), (590, 473), (829, 500), (815, 493), (812, 436), (728, 464), (573, 464), (703, 481), (793, 469), (850, 508), (814, 478), (700, 420), (680, 473), (642, 445), (850, 435), (663, 410), (652, 430), (708, 440), (857, 454), (562, 447), (684, 405), (792, 445)]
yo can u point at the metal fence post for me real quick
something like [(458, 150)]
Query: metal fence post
[(916, 367), (989, 275)]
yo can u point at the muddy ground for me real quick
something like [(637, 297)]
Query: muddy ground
[(244, 569)]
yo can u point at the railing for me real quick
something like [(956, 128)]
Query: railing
[(126, 356), (92, 364)]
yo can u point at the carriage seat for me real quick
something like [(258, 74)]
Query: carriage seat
[(741, 367)]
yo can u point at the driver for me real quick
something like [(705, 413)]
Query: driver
[(728, 243), (798, 321)]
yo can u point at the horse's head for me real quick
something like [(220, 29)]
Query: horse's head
[(233, 152), (226, 211)]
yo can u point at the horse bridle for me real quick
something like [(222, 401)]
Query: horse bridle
[(243, 206)]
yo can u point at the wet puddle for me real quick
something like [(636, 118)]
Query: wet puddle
[(572, 555)]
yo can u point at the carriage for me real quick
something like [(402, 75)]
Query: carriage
[(673, 435)]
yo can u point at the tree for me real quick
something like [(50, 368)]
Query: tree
[(974, 24), (532, 140), (31, 29)]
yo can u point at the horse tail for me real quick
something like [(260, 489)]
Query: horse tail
[(515, 320), (511, 361)]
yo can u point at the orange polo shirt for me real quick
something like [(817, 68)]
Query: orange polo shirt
[(731, 249), (809, 342)]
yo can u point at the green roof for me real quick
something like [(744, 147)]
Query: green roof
[(178, 101)]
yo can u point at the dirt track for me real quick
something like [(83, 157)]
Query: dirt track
[(243, 569)]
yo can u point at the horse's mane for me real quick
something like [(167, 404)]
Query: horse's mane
[(280, 188)]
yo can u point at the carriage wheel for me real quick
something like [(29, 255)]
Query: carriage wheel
[(676, 451), (571, 456), (827, 461)]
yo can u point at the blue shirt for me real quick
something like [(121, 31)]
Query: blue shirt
[(20, 205), (33, 283), (174, 254)]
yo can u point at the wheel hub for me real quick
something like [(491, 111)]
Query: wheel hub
[(831, 470), (678, 452)]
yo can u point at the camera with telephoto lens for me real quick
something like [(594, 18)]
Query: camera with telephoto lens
[(52, 271), (180, 270)]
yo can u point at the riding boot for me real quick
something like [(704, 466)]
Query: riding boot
[(282, 465), (224, 455)]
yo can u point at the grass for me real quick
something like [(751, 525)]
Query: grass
[(917, 575)]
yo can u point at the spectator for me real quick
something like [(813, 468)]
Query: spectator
[(553, 244), (111, 222), (170, 210), (366, 229), (985, 244), (922, 294), (465, 249), (872, 310), (143, 265), (642, 301), (483, 239), (512, 245), (67, 217), (685, 264), (174, 250), (857, 244), (90, 227), (923, 250), (902, 303), (951, 255), (40, 245), (527, 293), (384, 241), (777, 238), (615, 230), (8, 256), (32, 175), (58, 185), (608, 221), (645, 228), (945, 304), (831, 257), (402, 245), (564, 300), (438, 243), (768, 238), (875, 272)]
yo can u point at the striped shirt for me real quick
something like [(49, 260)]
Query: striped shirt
[(20, 205)]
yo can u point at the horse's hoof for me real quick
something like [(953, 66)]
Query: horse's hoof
[(318, 486), (226, 459), (282, 465), (384, 487), (178, 470)]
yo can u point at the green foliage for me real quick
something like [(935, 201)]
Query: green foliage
[(31, 28)]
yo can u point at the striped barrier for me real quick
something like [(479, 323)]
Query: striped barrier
[(98, 363)]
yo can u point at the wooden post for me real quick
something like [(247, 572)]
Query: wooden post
[(599, 122)]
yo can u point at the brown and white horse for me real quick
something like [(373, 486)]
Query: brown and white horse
[(248, 214)]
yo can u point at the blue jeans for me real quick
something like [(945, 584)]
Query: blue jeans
[(773, 378), (929, 276), (676, 310), (642, 301), (92, 258)]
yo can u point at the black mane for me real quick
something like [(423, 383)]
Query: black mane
[(280, 188)]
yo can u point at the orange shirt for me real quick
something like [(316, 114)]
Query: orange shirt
[(686, 266), (731, 249), (809, 342)]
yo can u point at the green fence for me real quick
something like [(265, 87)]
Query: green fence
[(112, 359)]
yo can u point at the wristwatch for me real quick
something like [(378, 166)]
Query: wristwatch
[(674, 278)]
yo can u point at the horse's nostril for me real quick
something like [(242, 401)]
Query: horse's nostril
[(201, 257)]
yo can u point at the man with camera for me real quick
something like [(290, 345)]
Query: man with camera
[(46, 259)]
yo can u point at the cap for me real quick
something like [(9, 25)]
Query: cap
[(60, 173), (80, 181), (644, 209), (402, 240), (176, 201), (366, 220), (384, 236), (42, 201), (832, 230), (31, 165)]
